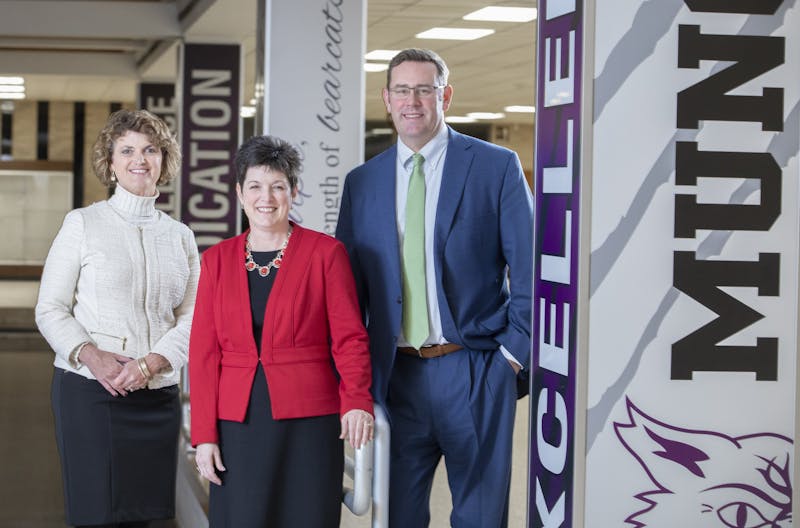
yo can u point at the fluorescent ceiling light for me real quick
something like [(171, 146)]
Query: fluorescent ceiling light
[(11, 88), (12, 95), (454, 33), (247, 111), (12, 80), (460, 119), (503, 14), (486, 115), (381, 54), (520, 108), (375, 66)]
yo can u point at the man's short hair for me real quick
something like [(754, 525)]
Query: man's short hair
[(419, 55)]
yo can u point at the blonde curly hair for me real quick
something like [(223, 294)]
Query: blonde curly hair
[(142, 121)]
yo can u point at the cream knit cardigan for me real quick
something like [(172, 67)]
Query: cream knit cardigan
[(122, 275)]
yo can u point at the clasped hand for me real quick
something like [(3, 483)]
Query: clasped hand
[(118, 374)]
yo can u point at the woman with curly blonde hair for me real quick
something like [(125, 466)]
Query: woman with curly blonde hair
[(115, 304)]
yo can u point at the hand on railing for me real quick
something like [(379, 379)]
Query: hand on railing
[(366, 489), (357, 427)]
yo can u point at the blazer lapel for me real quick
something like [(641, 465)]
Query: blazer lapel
[(287, 277), (244, 310)]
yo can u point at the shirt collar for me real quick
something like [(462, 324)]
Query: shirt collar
[(431, 151)]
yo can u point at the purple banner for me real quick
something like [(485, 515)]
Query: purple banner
[(555, 281), (159, 98), (211, 88)]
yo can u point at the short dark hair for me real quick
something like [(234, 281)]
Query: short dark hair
[(271, 152), (419, 55), (123, 121)]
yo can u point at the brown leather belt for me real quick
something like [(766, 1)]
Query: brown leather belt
[(431, 351)]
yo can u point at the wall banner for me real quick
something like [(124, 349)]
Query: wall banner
[(316, 102), (159, 98), (210, 136), (556, 258), (691, 396)]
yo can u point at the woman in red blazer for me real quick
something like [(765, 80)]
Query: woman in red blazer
[(277, 353)]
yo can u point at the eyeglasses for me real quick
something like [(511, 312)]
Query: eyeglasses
[(423, 91)]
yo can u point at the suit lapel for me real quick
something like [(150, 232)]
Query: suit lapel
[(385, 210), (454, 176)]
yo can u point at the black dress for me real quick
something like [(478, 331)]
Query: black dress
[(279, 473)]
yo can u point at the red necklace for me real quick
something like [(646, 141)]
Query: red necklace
[(250, 265)]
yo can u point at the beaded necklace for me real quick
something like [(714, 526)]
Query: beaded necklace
[(250, 265)]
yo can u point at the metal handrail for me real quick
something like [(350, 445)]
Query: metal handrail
[(370, 474), (359, 498), (380, 479)]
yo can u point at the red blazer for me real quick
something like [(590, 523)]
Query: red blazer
[(312, 317)]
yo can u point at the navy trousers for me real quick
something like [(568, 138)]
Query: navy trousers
[(461, 407)]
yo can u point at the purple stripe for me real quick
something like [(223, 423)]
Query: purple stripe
[(552, 467)]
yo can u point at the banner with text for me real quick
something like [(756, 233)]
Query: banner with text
[(314, 96), (159, 98), (694, 264), (211, 98), (556, 258)]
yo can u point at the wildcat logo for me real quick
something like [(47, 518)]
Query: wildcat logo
[(708, 479)]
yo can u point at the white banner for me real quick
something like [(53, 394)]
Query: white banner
[(694, 264), (314, 96)]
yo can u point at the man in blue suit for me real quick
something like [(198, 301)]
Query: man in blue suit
[(439, 230)]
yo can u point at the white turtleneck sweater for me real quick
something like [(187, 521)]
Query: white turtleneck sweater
[(122, 275)]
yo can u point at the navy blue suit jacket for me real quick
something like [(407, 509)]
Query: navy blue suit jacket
[(483, 235)]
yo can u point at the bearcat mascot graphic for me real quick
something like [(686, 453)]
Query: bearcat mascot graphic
[(707, 478)]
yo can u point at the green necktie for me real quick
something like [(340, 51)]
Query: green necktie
[(415, 298)]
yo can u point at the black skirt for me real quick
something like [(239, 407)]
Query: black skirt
[(279, 473), (118, 455)]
